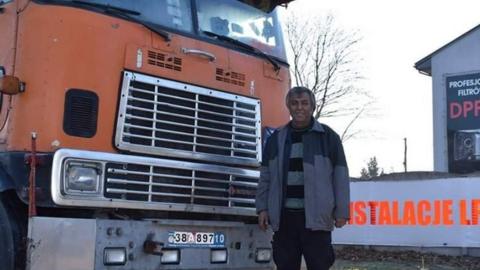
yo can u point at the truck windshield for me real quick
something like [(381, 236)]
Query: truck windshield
[(230, 18), (242, 22), (175, 14)]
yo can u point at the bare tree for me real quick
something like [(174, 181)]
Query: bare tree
[(324, 59)]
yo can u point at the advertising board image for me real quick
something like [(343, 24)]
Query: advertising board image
[(463, 122)]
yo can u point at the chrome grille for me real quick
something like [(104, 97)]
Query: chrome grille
[(160, 184), (168, 118), (136, 182)]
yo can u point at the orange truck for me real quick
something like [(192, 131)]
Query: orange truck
[(131, 132)]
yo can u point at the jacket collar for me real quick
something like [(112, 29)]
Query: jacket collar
[(316, 126)]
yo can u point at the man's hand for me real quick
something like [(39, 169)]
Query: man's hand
[(263, 220), (340, 222)]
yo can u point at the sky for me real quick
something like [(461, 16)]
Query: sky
[(395, 35)]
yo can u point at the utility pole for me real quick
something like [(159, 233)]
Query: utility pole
[(405, 154)]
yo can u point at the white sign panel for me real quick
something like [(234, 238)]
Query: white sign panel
[(423, 213)]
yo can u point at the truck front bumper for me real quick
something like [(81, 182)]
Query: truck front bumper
[(71, 244)]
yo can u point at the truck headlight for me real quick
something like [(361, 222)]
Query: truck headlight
[(114, 256), (170, 256), (218, 255), (263, 255), (82, 177)]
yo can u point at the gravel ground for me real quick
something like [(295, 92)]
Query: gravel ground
[(350, 258)]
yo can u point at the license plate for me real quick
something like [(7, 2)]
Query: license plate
[(196, 239)]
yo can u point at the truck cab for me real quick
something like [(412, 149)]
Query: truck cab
[(131, 132)]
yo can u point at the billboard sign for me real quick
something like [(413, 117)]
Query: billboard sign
[(463, 122), (416, 213)]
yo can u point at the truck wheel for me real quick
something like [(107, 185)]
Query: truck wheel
[(7, 249)]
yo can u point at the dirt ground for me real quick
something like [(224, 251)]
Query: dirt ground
[(350, 258)]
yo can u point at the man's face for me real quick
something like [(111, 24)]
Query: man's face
[(300, 109)]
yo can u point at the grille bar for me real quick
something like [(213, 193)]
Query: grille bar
[(190, 143), (168, 118), (238, 183), (187, 108), (124, 191), (203, 128), (186, 99), (121, 181), (189, 117), (204, 185), (196, 135)]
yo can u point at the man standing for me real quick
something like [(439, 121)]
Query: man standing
[(304, 188)]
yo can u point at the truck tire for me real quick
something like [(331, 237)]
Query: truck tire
[(7, 248)]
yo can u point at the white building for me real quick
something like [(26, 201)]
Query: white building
[(455, 72)]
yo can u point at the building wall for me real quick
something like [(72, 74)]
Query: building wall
[(462, 57)]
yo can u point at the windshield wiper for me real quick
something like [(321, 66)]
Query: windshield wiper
[(108, 7), (125, 14), (250, 48)]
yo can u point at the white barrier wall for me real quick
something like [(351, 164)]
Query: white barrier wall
[(421, 213)]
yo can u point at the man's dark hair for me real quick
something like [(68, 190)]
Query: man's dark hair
[(298, 90)]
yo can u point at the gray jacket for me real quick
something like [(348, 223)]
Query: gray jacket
[(326, 180)]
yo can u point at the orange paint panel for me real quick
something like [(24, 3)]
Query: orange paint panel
[(60, 48), (7, 52), (7, 40), (194, 69), (159, 43), (72, 48), (270, 91)]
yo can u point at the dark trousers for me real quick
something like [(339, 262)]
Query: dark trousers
[(293, 239)]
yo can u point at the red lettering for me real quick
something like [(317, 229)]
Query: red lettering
[(475, 211), (438, 213), (463, 213), (423, 218), (352, 213), (373, 212), (467, 107), (455, 110), (395, 218), (463, 109), (384, 217), (409, 213), (447, 212), (361, 216), (477, 107)]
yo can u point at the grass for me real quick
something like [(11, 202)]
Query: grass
[(365, 265)]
